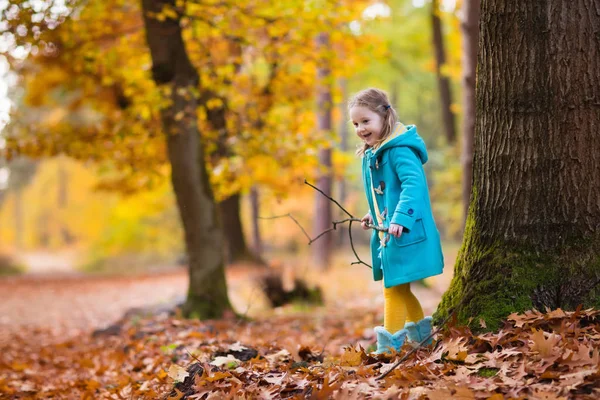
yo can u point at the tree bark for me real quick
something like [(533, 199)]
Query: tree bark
[(443, 81), (256, 237), (470, 44), (322, 248), (207, 294), (236, 248), (532, 237)]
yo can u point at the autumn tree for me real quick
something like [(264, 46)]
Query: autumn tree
[(532, 236), (323, 248), (443, 81), (171, 68), (93, 92), (470, 44)]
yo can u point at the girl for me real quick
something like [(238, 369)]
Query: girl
[(394, 180)]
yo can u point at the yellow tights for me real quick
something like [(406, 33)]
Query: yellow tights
[(400, 306)]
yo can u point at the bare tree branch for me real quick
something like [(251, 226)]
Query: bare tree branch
[(338, 204), (352, 246)]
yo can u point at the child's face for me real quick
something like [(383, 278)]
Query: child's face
[(368, 124)]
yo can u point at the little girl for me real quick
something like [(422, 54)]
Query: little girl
[(392, 170)]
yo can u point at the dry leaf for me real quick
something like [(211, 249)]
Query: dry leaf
[(177, 373)]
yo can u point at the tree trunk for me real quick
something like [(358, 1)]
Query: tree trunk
[(235, 243), (207, 293), (236, 248), (342, 237), (443, 81), (255, 206), (322, 248), (63, 200), (532, 237), (470, 43)]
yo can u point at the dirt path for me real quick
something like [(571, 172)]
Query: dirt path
[(67, 304)]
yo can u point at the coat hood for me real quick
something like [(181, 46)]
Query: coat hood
[(406, 137)]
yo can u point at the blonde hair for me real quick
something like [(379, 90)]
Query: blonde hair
[(377, 101)]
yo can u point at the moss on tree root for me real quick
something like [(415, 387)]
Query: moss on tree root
[(205, 307), (498, 278)]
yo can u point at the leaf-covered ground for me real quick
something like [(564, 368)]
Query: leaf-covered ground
[(48, 351), (318, 355)]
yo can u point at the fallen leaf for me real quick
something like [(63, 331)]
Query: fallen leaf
[(177, 373), (351, 357), (229, 361), (546, 347)]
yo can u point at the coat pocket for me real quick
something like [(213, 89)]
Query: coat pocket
[(415, 235)]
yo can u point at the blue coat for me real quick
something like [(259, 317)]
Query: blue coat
[(400, 190)]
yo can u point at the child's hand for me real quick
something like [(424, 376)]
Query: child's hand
[(395, 230), (367, 219)]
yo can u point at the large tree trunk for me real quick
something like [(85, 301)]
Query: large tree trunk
[(322, 248), (443, 81), (236, 248), (532, 237), (255, 208), (470, 43), (207, 293)]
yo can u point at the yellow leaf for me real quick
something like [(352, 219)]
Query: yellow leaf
[(19, 367), (162, 374), (92, 384), (217, 376), (178, 395), (351, 357)]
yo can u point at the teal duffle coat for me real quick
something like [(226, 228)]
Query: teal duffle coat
[(400, 189)]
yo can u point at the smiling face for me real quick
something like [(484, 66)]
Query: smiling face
[(368, 124)]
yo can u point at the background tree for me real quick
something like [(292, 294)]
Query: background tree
[(470, 43), (323, 248), (19, 173), (172, 71), (532, 237), (443, 80)]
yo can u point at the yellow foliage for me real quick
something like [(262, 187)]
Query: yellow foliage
[(262, 74), (105, 224)]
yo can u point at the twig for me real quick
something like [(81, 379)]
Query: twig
[(294, 219), (323, 193), (322, 234), (352, 246), (335, 224)]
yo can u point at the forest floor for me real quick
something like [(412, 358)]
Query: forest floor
[(59, 340)]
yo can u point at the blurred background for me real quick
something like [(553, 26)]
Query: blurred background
[(85, 179)]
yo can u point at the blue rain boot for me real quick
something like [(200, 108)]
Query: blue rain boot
[(386, 342), (419, 331)]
